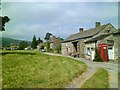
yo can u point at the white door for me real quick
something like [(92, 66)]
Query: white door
[(110, 53), (93, 54)]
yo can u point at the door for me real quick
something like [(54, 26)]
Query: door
[(110, 53), (75, 44), (103, 50), (93, 53)]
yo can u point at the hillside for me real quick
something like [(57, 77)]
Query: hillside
[(5, 41)]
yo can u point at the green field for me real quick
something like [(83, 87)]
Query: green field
[(98, 80), (31, 69)]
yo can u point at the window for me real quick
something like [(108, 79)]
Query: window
[(66, 49), (92, 49), (107, 31), (88, 51), (110, 47)]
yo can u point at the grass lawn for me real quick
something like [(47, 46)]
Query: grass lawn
[(98, 80), (31, 69)]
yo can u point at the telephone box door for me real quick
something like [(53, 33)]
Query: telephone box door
[(103, 50)]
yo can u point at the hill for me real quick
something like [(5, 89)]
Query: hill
[(5, 41)]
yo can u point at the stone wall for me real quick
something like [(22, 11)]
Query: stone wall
[(104, 31), (104, 41), (91, 46), (81, 47), (56, 43), (67, 48), (116, 47), (51, 45)]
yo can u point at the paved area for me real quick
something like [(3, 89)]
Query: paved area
[(112, 69)]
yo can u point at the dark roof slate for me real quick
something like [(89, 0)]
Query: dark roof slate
[(97, 38), (117, 32), (86, 33)]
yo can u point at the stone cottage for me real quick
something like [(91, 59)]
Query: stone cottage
[(111, 40), (83, 44), (55, 42)]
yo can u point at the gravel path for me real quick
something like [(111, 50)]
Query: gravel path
[(112, 69), (78, 82)]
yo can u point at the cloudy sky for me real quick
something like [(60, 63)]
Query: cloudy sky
[(59, 18)]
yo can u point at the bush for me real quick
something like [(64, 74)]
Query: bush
[(47, 45), (51, 50), (42, 47), (57, 49), (97, 56)]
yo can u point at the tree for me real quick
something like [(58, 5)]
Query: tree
[(34, 42), (22, 45), (60, 38), (47, 45), (3, 21), (97, 56), (47, 36), (58, 49), (39, 41)]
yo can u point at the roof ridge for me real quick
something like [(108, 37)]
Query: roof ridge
[(91, 29), (99, 26), (86, 33)]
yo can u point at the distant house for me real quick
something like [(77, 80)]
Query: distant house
[(55, 42), (83, 44), (28, 48), (13, 46), (40, 47)]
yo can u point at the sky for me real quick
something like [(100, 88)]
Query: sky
[(59, 18)]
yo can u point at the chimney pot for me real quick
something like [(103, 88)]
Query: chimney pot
[(97, 24), (80, 29)]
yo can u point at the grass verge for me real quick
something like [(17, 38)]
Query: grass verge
[(36, 70), (98, 80)]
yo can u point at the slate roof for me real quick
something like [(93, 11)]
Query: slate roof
[(86, 33), (97, 38), (117, 32), (56, 39), (102, 36)]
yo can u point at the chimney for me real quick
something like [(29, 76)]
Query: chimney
[(80, 29), (97, 24)]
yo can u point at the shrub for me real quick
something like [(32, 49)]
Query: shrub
[(42, 47), (47, 45), (97, 56), (57, 49), (51, 50)]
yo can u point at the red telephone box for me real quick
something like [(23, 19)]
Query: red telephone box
[(103, 50)]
